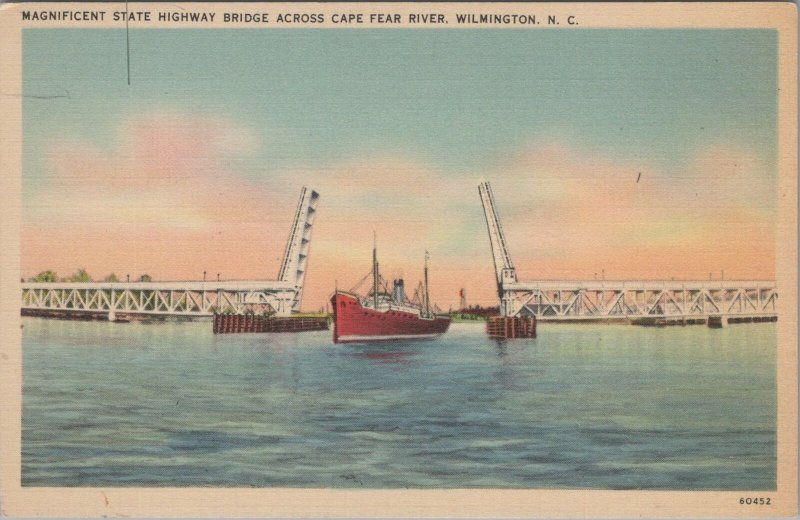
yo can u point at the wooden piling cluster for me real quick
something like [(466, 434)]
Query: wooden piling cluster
[(511, 327), (237, 323)]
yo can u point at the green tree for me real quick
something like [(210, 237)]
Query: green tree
[(80, 276), (45, 276), (112, 278), (145, 278)]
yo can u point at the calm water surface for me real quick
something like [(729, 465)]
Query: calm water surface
[(582, 406)]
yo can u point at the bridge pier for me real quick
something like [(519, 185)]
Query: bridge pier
[(717, 322)]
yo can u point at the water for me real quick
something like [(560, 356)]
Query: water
[(582, 406)]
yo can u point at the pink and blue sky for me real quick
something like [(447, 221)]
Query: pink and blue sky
[(197, 165)]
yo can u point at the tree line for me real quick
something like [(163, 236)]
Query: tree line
[(81, 275)]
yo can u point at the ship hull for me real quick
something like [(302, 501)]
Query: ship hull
[(354, 323)]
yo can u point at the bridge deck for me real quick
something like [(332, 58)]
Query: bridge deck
[(186, 298), (608, 299)]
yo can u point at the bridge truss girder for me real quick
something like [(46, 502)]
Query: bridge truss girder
[(147, 299), (555, 301)]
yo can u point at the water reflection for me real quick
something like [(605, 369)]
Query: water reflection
[(513, 355), (383, 353)]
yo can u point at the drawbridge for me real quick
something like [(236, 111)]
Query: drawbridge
[(576, 300), (186, 298)]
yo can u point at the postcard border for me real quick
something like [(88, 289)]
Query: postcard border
[(497, 503)]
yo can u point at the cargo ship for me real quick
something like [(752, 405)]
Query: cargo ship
[(386, 316)]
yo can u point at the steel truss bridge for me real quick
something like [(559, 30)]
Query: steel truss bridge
[(188, 299), (620, 300)]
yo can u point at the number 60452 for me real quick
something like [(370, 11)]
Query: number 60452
[(760, 501)]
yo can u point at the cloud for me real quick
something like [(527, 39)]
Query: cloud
[(568, 213), (166, 199), (178, 195)]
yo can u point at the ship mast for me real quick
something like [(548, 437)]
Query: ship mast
[(427, 298), (375, 271)]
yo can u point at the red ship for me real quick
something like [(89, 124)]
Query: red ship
[(384, 316)]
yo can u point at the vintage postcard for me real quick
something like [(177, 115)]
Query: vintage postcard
[(398, 260)]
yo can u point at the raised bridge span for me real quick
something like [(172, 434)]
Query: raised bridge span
[(555, 300), (190, 298)]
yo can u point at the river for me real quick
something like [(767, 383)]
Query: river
[(581, 406)]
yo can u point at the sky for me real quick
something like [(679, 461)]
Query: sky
[(634, 153)]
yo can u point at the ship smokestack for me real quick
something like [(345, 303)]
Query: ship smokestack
[(398, 293)]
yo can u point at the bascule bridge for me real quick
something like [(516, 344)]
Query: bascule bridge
[(188, 298), (573, 300)]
